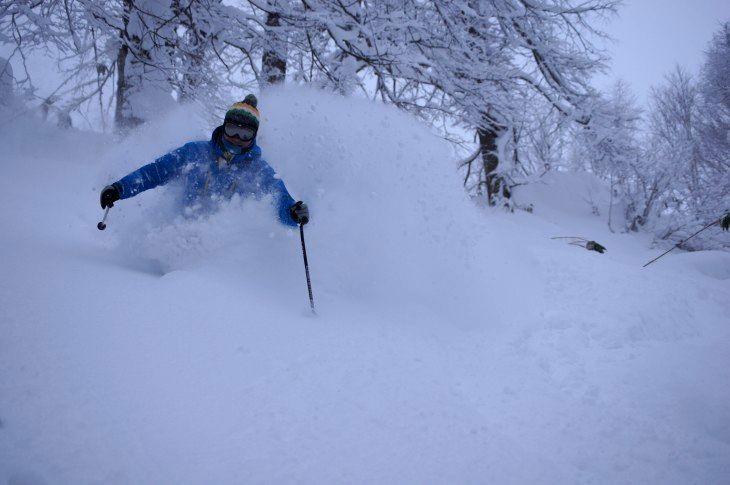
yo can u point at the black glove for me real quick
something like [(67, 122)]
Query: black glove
[(300, 213), (725, 222), (109, 195)]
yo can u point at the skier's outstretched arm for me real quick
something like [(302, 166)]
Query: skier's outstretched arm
[(152, 175)]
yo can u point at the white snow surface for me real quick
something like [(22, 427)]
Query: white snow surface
[(453, 344)]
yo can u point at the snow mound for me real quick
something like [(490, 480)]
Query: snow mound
[(560, 195)]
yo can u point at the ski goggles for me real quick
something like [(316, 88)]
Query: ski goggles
[(242, 132)]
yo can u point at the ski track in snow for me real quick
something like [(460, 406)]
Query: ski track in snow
[(453, 344)]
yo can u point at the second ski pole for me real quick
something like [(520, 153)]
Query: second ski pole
[(306, 268)]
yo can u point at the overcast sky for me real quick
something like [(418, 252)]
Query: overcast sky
[(652, 36)]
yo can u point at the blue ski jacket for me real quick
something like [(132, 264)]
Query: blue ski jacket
[(210, 174)]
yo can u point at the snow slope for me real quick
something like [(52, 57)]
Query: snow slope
[(453, 344)]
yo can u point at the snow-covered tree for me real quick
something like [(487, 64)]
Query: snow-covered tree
[(673, 174), (697, 188), (463, 63), (64, 30), (144, 53), (715, 124), (715, 91), (468, 62), (610, 147)]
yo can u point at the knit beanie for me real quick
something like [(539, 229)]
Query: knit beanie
[(244, 113)]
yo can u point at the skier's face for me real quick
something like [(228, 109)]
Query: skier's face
[(239, 135), (237, 141)]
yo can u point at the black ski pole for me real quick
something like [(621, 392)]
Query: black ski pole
[(306, 268), (102, 225), (681, 242)]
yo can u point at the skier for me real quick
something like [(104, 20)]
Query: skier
[(211, 171)]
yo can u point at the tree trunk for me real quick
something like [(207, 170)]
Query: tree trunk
[(192, 50), (273, 62), (119, 119), (123, 118), (495, 183)]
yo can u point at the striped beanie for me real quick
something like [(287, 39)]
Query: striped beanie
[(244, 113)]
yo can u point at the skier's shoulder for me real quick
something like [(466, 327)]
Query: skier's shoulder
[(195, 152), (184, 156), (194, 147)]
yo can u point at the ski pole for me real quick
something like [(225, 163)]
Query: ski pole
[(681, 242), (102, 225), (306, 268)]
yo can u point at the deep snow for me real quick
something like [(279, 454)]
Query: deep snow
[(453, 344)]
